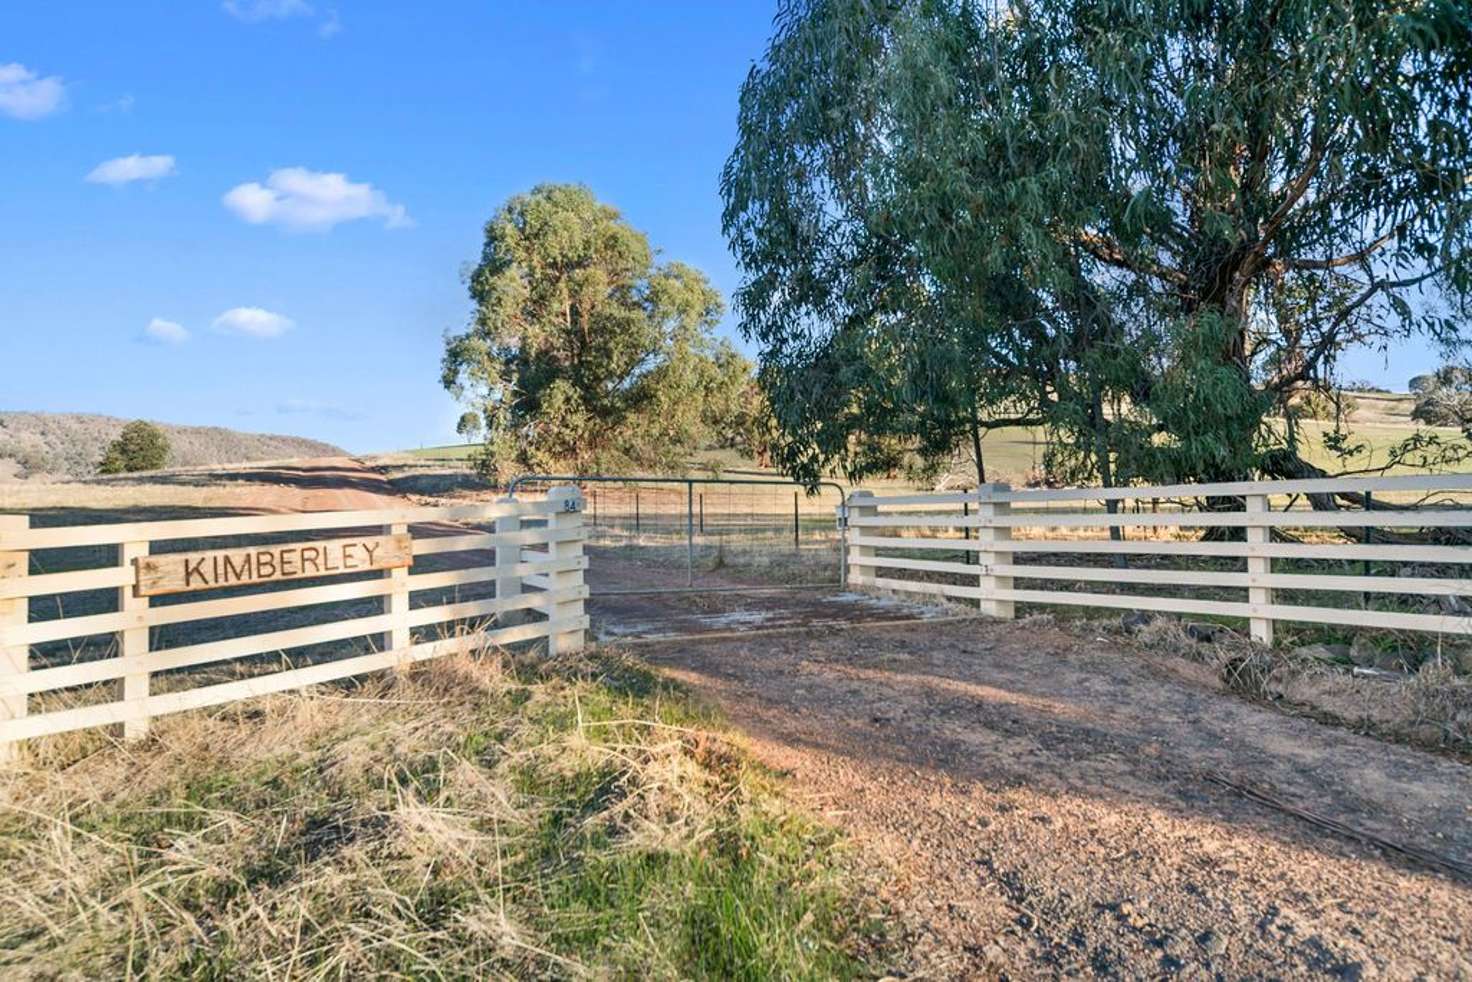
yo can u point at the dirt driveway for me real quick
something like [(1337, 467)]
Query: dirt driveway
[(1050, 806)]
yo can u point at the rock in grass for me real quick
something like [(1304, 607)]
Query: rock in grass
[(1134, 620), (1329, 654), (1378, 674), (1364, 652), (1205, 633), (1455, 605), (1400, 661), (1462, 662)]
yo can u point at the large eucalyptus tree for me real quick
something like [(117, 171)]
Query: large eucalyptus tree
[(582, 352), (1147, 223)]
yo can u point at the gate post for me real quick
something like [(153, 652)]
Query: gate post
[(992, 539), (1259, 566), (507, 556), (568, 515), (860, 572), (396, 602), (133, 642), (690, 533), (14, 613)]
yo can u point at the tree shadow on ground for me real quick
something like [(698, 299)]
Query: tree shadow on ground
[(1069, 775)]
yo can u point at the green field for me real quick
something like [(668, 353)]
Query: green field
[(1380, 421)]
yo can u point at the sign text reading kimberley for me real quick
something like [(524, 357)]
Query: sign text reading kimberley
[(186, 571)]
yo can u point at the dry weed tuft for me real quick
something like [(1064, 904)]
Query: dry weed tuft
[(1431, 707)]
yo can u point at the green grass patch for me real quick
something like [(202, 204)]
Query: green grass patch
[(471, 818)]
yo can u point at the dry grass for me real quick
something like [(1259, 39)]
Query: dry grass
[(71, 444), (1431, 707), (115, 500), (475, 817)]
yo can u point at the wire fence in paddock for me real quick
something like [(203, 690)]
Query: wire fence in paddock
[(708, 534)]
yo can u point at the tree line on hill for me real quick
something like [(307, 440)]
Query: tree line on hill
[(1151, 229)]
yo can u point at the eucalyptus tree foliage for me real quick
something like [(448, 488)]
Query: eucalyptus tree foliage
[(1149, 223), (582, 351), (1444, 398)]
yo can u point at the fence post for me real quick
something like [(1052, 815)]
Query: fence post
[(1367, 536), (1259, 566), (133, 642), (396, 603), (796, 542), (507, 584), (992, 540), (966, 531), (567, 516), (14, 613), (859, 508), (689, 533)]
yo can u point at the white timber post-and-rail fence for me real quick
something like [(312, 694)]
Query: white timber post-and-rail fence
[(1279, 569), (532, 591)]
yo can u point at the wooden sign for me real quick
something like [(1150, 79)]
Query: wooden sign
[(185, 572)]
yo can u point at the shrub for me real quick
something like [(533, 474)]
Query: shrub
[(1315, 404), (140, 447), (1444, 398)]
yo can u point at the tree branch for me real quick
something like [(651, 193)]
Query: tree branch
[(1292, 192), (1108, 252), (1346, 260), (1328, 339)]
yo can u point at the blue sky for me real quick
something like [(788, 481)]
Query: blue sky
[(171, 164), (443, 109)]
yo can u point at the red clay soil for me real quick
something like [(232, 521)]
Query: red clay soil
[(1046, 806)]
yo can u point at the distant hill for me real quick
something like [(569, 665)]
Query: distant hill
[(71, 444)]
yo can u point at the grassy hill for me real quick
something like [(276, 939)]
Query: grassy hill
[(71, 444), (1380, 420)]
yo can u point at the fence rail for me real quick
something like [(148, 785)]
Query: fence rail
[(522, 581), (1276, 545)]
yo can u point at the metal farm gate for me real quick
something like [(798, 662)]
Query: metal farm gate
[(686, 558), (707, 534)]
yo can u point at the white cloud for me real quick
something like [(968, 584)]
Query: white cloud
[(329, 24), (254, 11), (165, 332), (254, 322), (24, 95), (306, 199), (123, 170)]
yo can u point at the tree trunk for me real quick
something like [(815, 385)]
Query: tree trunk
[(976, 446)]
